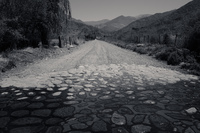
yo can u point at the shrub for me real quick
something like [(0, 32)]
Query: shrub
[(193, 43), (175, 58), (166, 39), (164, 53), (141, 50)]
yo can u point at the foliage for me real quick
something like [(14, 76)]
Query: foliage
[(175, 58), (193, 42), (27, 22), (166, 39)]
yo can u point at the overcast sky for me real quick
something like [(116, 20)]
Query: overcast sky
[(93, 10)]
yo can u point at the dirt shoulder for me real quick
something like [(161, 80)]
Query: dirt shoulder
[(17, 61)]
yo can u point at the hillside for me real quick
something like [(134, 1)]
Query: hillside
[(80, 30), (116, 23), (177, 22), (95, 23)]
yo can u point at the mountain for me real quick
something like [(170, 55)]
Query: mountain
[(77, 28), (117, 23), (177, 22), (142, 16), (95, 23), (77, 20)]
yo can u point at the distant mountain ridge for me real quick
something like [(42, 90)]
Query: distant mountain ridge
[(116, 23), (180, 21), (95, 23)]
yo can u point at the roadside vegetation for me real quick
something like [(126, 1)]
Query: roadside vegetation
[(175, 51), (172, 36)]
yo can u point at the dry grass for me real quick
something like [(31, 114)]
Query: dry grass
[(20, 58)]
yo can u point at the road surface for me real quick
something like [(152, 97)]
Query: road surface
[(100, 88)]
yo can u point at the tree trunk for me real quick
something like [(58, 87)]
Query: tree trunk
[(176, 40), (60, 43)]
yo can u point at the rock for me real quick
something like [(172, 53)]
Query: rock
[(140, 129), (2, 106), (179, 116), (72, 90), (18, 94), (56, 94), (160, 122), (141, 88), (93, 94), (49, 89), (78, 132), (138, 119), (131, 97), (198, 125), (19, 105), (107, 111), (149, 102), (125, 111), (71, 102), (53, 100), (174, 107), (55, 129), (53, 105), (39, 98), (146, 108), (43, 92), (105, 97), (129, 92), (79, 126), (99, 126), (62, 89), (66, 128), (64, 112), (36, 105), (29, 129), (68, 81), (119, 95), (3, 113), (112, 85), (118, 119), (89, 86), (70, 94), (87, 89), (191, 111), (95, 106), (31, 93), (27, 121), (83, 119), (4, 121), (86, 111), (53, 121), (41, 113), (20, 113), (22, 98), (161, 92), (119, 130), (70, 97), (82, 93), (189, 130)]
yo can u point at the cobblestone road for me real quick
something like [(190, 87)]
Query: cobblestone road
[(102, 93)]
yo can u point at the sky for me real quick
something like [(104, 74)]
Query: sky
[(94, 10)]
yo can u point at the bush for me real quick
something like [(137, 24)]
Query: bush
[(193, 43), (141, 50), (164, 53), (166, 39), (175, 58)]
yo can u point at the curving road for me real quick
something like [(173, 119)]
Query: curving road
[(100, 88)]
